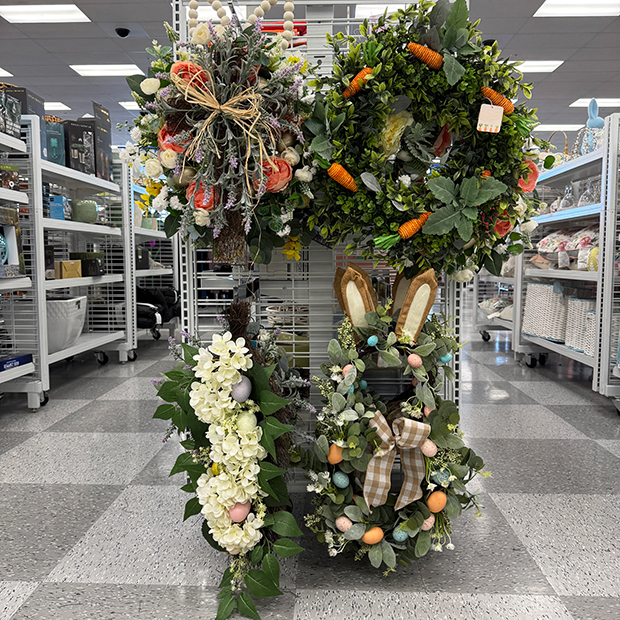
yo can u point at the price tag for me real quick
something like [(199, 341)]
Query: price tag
[(490, 118)]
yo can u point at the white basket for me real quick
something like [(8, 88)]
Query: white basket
[(576, 322), (65, 321), (589, 345), (545, 312), (615, 337)]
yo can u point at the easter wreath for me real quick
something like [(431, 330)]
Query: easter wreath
[(403, 163), (233, 403), (358, 434)]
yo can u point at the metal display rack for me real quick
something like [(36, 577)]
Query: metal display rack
[(487, 286)]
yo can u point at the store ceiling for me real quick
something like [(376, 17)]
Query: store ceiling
[(39, 55)]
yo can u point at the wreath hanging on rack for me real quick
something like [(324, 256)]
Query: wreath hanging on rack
[(418, 148), (359, 435)]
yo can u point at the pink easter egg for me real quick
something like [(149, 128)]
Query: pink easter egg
[(346, 369), (240, 511), (427, 411), (428, 523), (343, 523), (429, 449), (414, 360)]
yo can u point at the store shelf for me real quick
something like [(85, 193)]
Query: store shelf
[(616, 371), (149, 234), (582, 167), (496, 279), (81, 227), (10, 195), (562, 274), (556, 347), (11, 144), (86, 342), (14, 284), (73, 179), (16, 373), (217, 283), (497, 322), (567, 215), (51, 285), (148, 273)]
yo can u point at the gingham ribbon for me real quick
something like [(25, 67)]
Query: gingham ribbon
[(408, 436)]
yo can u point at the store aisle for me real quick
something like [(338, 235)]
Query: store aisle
[(91, 524)]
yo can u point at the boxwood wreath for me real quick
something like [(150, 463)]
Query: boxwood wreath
[(233, 403), (395, 142), (358, 435)]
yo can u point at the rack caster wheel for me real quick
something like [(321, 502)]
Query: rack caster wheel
[(102, 358), (531, 362), (45, 399), (485, 336), (156, 334), (542, 359), (132, 356)]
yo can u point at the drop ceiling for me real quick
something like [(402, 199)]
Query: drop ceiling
[(39, 55)]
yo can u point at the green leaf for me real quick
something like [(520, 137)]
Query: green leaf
[(209, 538), (189, 353), (339, 402), (192, 508), (493, 263), (453, 69), (371, 182), (453, 507), (272, 429), (354, 513), (226, 578), (226, 607), (490, 190), (389, 359), (185, 462), (269, 403), (315, 126), (458, 16), (271, 566), (164, 412), (284, 524), (549, 161), (440, 12), (259, 584), (172, 224), (389, 557), (443, 189), (168, 391), (423, 544), (269, 470), (375, 555), (465, 228), (338, 120), (425, 349), (322, 145), (441, 222), (334, 351), (134, 81), (454, 442), (285, 547), (469, 191), (246, 606), (257, 554), (321, 448), (356, 531)]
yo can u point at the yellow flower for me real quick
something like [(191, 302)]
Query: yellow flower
[(293, 60), (144, 196), (394, 128), (292, 248)]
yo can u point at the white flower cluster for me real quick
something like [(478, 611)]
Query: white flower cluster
[(319, 481)]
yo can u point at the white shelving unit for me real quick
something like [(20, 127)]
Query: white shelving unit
[(487, 286)]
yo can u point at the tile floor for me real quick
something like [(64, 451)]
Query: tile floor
[(90, 522)]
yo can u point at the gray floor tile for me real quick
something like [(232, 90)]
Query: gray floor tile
[(553, 393), (12, 595), (84, 387), (113, 416), (137, 388), (126, 371), (493, 392), (142, 539), (547, 466), (326, 605), (517, 421), (519, 372), (613, 445), (53, 601), (595, 421), (79, 458), (40, 523), (157, 470), (568, 536), (592, 607), (24, 420), (10, 439), (491, 358), (158, 369), (472, 371)]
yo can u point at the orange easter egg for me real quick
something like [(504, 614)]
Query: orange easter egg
[(335, 454), (437, 501), (373, 536)]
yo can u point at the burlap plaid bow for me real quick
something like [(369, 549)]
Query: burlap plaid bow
[(408, 436)]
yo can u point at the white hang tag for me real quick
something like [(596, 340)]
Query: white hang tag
[(490, 118)]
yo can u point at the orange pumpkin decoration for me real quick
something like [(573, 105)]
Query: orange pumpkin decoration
[(335, 454), (373, 536), (437, 501)]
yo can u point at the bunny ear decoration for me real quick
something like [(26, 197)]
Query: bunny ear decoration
[(358, 295), (594, 120), (417, 305), (399, 292)]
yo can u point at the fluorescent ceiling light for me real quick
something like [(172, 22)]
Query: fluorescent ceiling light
[(207, 13), (4, 73), (106, 70), (602, 103), (579, 8), (539, 66), (42, 14), (129, 105), (363, 11), (87, 115), (51, 106), (558, 127)]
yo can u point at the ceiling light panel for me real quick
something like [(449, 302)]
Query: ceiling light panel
[(558, 127), (55, 106), (106, 70), (42, 14), (4, 73), (129, 105), (206, 13), (364, 11), (579, 8), (539, 66), (602, 103)]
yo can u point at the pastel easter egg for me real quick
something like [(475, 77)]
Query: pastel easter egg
[(240, 511), (343, 523), (341, 480), (443, 475), (414, 360), (400, 535), (372, 341), (346, 369), (429, 449), (437, 501), (428, 523), (373, 536), (246, 421), (241, 391), (335, 454), (427, 411), (363, 384), (351, 390), (444, 359)]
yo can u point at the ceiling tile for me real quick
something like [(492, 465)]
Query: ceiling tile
[(564, 25), (533, 43)]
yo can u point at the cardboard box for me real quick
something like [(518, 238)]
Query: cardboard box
[(9, 174), (31, 104), (14, 265), (55, 135), (64, 269), (103, 142), (10, 115), (80, 146), (142, 258)]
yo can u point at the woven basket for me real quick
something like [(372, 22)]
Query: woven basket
[(615, 337), (545, 313), (576, 322), (589, 346)]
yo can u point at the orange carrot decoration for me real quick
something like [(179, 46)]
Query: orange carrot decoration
[(497, 99), (426, 55), (406, 231), (340, 175), (486, 173), (357, 82)]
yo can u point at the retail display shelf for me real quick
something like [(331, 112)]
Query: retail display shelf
[(81, 227), (217, 283), (562, 274), (584, 164), (86, 342), (568, 215), (616, 371), (14, 284), (150, 234), (148, 273), (11, 144), (51, 285), (497, 279), (562, 349), (10, 195), (73, 179), (16, 373), (496, 321)]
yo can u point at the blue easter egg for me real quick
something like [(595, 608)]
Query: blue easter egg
[(350, 390), (400, 535), (442, 475), (363, 384), (341, 480), (444, 359), (372, 341)]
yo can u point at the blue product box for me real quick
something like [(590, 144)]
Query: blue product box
[(57, 207), (7, 363)]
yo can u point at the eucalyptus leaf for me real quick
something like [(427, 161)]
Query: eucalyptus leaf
[(371, 182), (339, 402), (354, 513), (389, 557), (349, 415), (321, 448), (453, 69), (315, 126), (425, 349), (375, 555), (334, 351), (356, 531), (400, 104)]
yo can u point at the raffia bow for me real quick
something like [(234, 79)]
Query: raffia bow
[(408, 436)]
